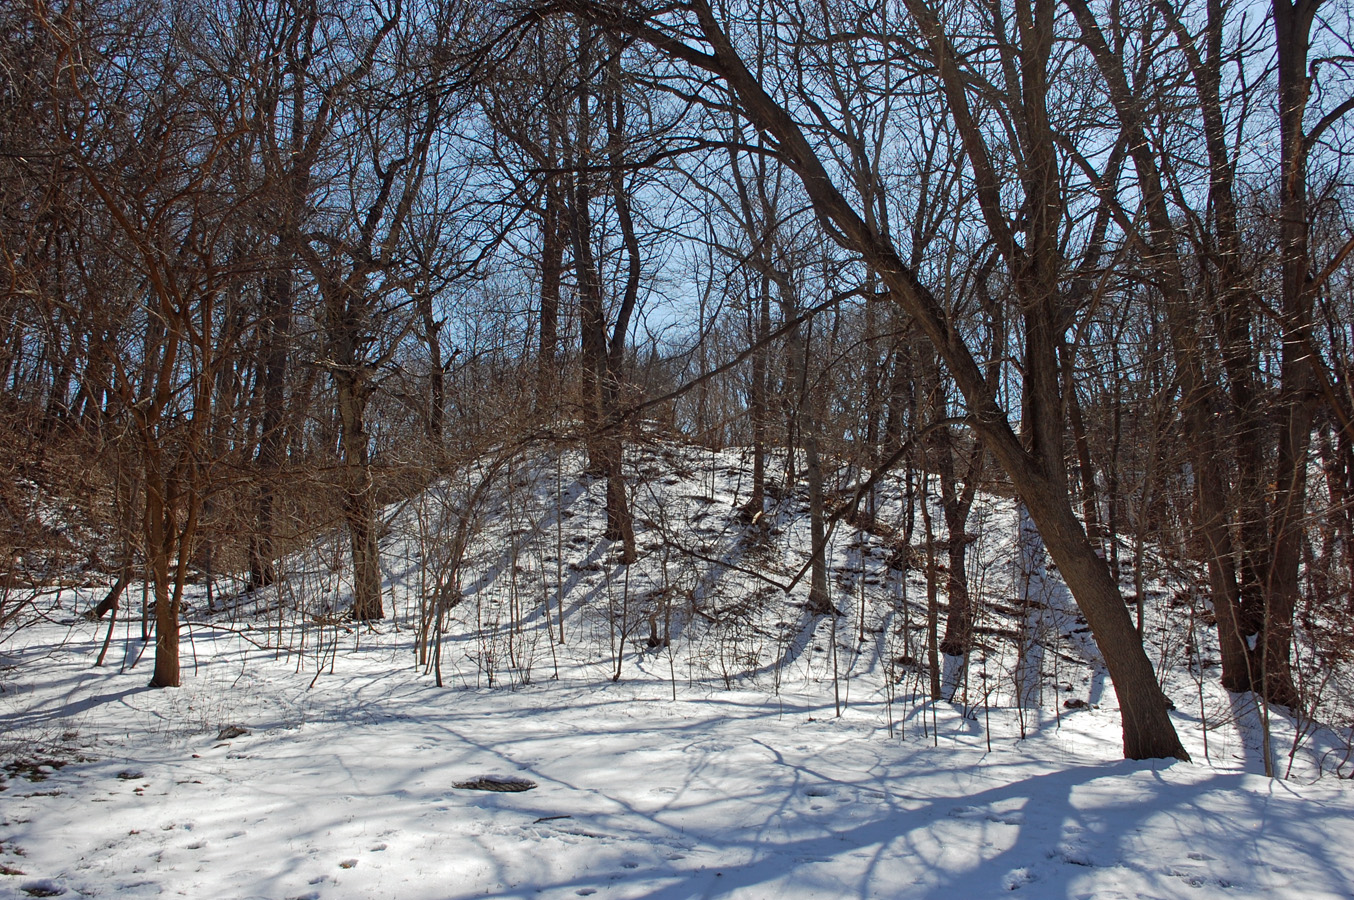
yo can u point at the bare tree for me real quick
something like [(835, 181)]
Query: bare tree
[(135, 128), (379, 111), (1035, 464)]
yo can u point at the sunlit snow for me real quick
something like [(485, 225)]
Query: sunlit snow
[(730, 764)]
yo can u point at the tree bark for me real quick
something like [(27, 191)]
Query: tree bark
[(1297, 381), (552, 268), (276, 328), (359, 502), (758, 402)]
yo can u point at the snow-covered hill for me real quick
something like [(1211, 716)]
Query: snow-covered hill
[(758, 752)]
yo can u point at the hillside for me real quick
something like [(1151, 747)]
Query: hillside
[(690, 729)]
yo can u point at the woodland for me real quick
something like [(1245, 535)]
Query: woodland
[(271, 268)]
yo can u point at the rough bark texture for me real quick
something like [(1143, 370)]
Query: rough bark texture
[(159, 551), (359, 502), (276, 329), (1297, 381), (957, 503)]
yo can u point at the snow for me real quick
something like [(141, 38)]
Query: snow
[(676, 780)]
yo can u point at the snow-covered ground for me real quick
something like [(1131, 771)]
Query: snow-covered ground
[(761, 754)]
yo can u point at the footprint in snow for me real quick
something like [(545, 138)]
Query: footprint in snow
[(1073, 853), (1188, 874), (1014, 817)]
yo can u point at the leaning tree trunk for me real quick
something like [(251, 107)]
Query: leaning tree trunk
[(1147, 728)]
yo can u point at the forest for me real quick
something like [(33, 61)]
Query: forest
[(270, 266), (837, 400)]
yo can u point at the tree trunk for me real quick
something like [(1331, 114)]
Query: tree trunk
[(1205, 442), (620, 522), (620, 519), (959, 617), (932, 588), (359, 502), (760, 408), (1242, 586), (552, 267), (276, 328), (1297, 382), (160, 529), (820, 600), (1148, 731), (1032, 597), (437, 378)]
